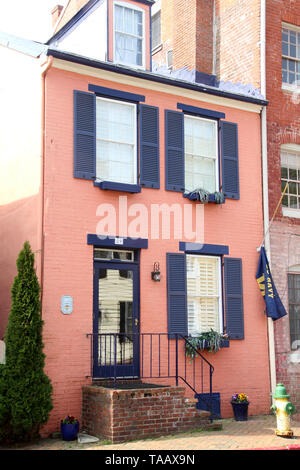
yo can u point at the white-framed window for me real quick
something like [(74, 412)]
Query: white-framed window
[(129, 35), (201, 154), (116, 141), (290, 173), (290, 56), (204, 294), (294, 306)]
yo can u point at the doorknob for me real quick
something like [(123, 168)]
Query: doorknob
[(136, 322)]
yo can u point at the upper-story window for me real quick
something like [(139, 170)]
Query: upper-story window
[(201, 152), (156, 30), (116, 141), (129, 35), (291, 56), (290, 173)]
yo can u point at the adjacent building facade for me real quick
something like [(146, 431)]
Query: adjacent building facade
[(255, 44), (137, 176)]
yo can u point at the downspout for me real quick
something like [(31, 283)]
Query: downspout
[(45, 67), (265, 181)]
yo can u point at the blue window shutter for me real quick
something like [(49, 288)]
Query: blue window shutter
[(84, 135), (149, 146), (234, 298), (177, 296), (174, 125), (230, 160)]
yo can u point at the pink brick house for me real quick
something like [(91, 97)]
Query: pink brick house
[(107, 200)]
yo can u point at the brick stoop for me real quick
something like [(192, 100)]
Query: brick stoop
[(120, 415)]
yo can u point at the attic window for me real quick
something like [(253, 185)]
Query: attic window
[(129, 34)]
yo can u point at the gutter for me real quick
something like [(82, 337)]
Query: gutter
[(45, 67), (152, 77), (267, 244)]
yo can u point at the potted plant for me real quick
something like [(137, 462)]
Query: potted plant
[(240, 404), (69, 427)]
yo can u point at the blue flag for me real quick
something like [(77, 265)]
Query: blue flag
[(274, 306)]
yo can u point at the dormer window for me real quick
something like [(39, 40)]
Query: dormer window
[(129, 35)]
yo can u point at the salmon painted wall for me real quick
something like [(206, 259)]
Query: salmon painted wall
[(20, 168), (70, 214)]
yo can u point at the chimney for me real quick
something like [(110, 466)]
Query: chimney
[(55, 14)]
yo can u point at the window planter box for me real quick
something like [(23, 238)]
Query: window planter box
[(224, 343), (211, 198)]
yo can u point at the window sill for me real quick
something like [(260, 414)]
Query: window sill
[(290, 88), (112, 186), (288, 212), (211, 198)]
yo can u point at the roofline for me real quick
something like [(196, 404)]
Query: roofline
[(153, 77), (79, 15)]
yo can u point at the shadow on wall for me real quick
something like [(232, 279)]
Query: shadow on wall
[(18, 223)]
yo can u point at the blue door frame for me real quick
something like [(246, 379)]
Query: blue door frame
[(111, 368)]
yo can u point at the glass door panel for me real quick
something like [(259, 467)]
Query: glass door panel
[(115, 320)]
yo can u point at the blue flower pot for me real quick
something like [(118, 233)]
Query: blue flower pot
[(69, 431), (240, 410)]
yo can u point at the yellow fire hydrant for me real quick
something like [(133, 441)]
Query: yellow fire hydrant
[(283, 408)]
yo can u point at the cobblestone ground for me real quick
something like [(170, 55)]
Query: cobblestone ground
[(256, 433)]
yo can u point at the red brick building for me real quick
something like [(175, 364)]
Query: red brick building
[(255, 44)]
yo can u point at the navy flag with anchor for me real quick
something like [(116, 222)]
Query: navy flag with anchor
[(274, 306)]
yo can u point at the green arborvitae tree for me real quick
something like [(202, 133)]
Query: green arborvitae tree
[(25, 390)]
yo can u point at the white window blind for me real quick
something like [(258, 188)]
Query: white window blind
[(129, 35), (201, 150), (116, 141), (203, 294)]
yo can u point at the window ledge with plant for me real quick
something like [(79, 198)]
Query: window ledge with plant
[(210, 340)]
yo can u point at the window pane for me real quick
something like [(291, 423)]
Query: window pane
[(203, 294), (285, 201), (284, 172), (284, 76), (284, 64), (293, 202), (292, 37), (285, 49), (292, 174), (285, 35), (292, 78), (291, 65)]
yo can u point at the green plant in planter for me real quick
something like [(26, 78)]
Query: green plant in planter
[(210, 340)]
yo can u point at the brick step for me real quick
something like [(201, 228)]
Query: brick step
[(121, 415)]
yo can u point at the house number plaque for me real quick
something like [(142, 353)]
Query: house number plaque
[(66, 304)]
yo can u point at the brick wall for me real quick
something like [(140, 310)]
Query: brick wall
[(187, 29), (238, 41), (121, 415), (283, 121)]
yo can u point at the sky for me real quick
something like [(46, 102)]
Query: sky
[(30, 19)]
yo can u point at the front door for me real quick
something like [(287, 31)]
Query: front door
[(116, 320)]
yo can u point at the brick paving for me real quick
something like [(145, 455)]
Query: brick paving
[(256, 433)]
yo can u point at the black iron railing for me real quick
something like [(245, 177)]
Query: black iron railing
[(149, 356)]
